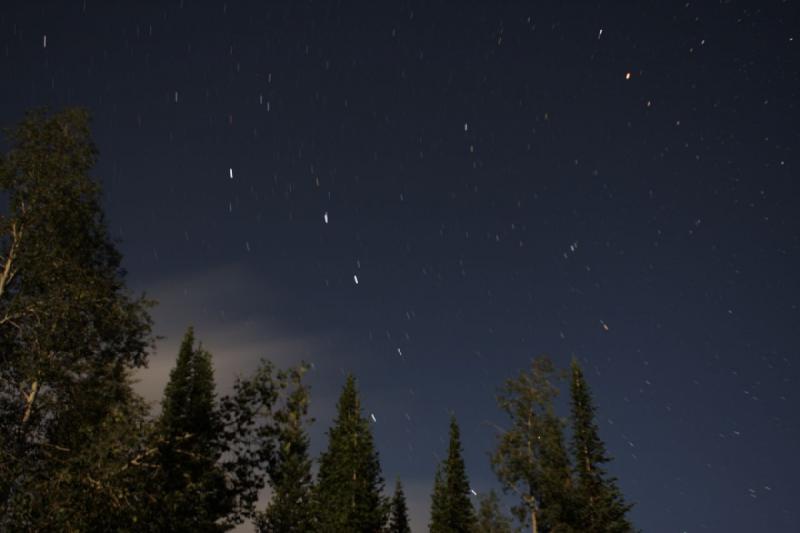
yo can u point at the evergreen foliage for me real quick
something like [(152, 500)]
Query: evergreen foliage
[(190, 484), (398, 518), (600, 503), (348, 492), (79, 450), (451, 508)]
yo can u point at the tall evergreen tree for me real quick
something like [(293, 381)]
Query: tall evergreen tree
[(290, 507), (191, 485), (602, 508), (398, 518), (491, 518), (451, 510), (70, 333), (530, 459), (348, 491), (438, 500)]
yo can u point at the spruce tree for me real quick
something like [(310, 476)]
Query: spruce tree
[(398, 519), (190, 483), (453, 509), (601, 505), (438, 501), (530, 459), (70, 334), (348, 491), (290, 507)]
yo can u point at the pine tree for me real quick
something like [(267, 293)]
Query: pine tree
[(438, 501), (290, 507), (530, 459), (451, 508), (348, 492), (398, 519), (601, 505), (491, 518), (70, 334), (191, 485)]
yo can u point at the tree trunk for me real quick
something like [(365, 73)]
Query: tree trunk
[(31, 397), (534, 525)]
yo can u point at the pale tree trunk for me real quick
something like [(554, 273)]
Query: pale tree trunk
[(29, 399), (534, 525), (8, 268)]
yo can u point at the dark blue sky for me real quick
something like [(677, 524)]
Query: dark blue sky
[(612, 181)]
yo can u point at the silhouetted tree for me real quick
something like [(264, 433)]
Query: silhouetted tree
[(348, 492), (398, 518), (290, 507), (451, 508), (601, 507), (191, 489)]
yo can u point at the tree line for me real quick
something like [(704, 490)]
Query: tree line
[(81, 451)]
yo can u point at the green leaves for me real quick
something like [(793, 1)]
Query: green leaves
[(491, 518), (69, 334), (530, 459)]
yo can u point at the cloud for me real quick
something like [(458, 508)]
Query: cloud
[(223, 306)]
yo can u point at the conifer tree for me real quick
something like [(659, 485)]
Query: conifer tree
[(398, 519), (438, 501), (348, 491), (530, 459), (601, 507), (191, 485), (290, 507), (451, 510)]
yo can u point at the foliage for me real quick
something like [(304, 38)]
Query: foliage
[(491, 518), (190, 485), (69, 334), (348, 491), (529, 459), (601, 505), (451, 508), (398, 518), (248, 416), (290, 507)]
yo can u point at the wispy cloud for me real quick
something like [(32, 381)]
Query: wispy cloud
[(237, 335)]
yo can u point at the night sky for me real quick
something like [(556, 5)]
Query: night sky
[(429, 194)]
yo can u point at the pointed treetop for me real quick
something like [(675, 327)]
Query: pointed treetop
[(398, 519)]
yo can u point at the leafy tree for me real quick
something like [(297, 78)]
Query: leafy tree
[(491, 518), (348, 491), (191, 488), (70, 332), (290, 508), (601, 505), (530, 459), (398, 518), (451, 510)]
